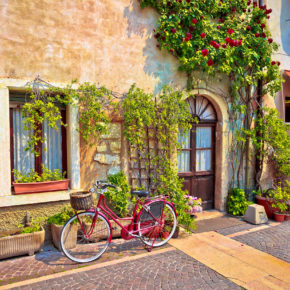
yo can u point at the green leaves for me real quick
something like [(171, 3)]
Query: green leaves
[(236, 202)]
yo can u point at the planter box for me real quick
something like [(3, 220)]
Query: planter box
[(35, 187), (71, 240), (267, 204), (21, 244)]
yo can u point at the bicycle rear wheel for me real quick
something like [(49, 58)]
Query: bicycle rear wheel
[(153, 234), (82, 240)]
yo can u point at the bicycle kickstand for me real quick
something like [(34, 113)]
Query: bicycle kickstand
[(149, 248)]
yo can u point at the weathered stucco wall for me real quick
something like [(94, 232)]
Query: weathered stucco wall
[(108, 42)]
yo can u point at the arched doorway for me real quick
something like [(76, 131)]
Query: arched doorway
[(196, 161)]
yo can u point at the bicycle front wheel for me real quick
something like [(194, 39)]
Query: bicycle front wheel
[(82, 240), (156, 233)]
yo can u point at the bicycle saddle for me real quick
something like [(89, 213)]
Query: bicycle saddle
[(141, 193)]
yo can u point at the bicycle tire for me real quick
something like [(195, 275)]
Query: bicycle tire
[(155, 237), (79, 248)]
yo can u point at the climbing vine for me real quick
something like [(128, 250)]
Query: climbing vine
[(46, 104), (223, 38), (151, 126)]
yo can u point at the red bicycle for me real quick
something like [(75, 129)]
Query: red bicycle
[(87, 235)]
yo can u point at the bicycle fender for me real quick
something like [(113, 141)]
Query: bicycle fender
[(111, 230)]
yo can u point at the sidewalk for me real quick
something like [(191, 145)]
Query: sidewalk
[(227, 240)]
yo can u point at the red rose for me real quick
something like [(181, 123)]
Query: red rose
[(188, 1), (222, 20), (187, 39), (257, 34), (244, 10), (210, 62), (233, 9), (163, 37), (154, 30), (212, 42), (218, 27), (263, 35), (240, 42), (278, 63), (194, 21), (173, 30), (268, 11), (255, 4), (273, 63), (263, 25), (249, 2), (204, 52), (202, 35), (157, 35), (217, 45), (201, 17), (249, 27), (235, 43), (191, 28), (228, 40), (224, 45), (230, 31), (188, 35), (270, 40), (268, 16), (171, 50), (258, 21)]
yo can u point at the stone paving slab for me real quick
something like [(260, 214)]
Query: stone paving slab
[(274, 241), (169, 270), (49, 262), (240, 263)]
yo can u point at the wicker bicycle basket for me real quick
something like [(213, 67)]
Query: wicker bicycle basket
[(81, 200)]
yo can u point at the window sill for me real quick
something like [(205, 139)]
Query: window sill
[(34, 198)]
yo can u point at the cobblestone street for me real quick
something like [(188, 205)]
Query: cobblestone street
[(171, 270), (274, 241)]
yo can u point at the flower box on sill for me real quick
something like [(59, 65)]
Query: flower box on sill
[(36, 187)]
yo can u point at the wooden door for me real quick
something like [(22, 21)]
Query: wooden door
[(196, 161)]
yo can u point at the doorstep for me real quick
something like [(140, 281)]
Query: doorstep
[(35, 198), (208, 214)]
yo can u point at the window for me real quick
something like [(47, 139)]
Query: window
[(52, 151), (287, 109)]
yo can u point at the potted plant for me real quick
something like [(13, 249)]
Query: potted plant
[(236, 202), (57, 222), (194, 204), (26, 240), (281, 197), (264, 199), (49, 180)]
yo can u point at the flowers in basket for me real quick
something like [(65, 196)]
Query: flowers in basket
[(194, 204)]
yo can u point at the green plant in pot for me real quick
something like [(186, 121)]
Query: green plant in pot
[(57, 222), (237, 202), (281, 197)]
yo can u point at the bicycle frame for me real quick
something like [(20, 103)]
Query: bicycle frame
[(130, 231)]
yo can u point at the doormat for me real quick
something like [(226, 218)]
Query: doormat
[(217, 224)]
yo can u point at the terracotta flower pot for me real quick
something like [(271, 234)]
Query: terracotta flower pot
[(36, 187), (279, 217), (267, 204), (287, 217)]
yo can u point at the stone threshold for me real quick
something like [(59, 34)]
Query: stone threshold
[(35, 198)]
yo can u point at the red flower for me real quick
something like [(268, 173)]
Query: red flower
[(187, 39), (268, 16), (154, 30), (240, 42), (273, 63), (233, 9), (163, 37), (191, 28), (278, 63), (188, 1), (258, 21), (263, 25), (268, 11), (249, 2), (217, 45), (257, 34), (212, 42), (218, 27), (171, 50), (230, 31), (249, 27), (179, 1), (157, 35), (188, 35), (202, 35), (201, 17), (235, 43), (210, 62), (228, 40), (194, 21), (173, 30), (255, 4), (263, 35), (244, 10), (224, 45), (270, 40), (204, 52)]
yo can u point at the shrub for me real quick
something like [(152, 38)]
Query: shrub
[(281, 196), (62, 217), (237, 202), (119, 197), (35, 226)]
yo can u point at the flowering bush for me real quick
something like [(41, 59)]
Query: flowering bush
[(193, 203)]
